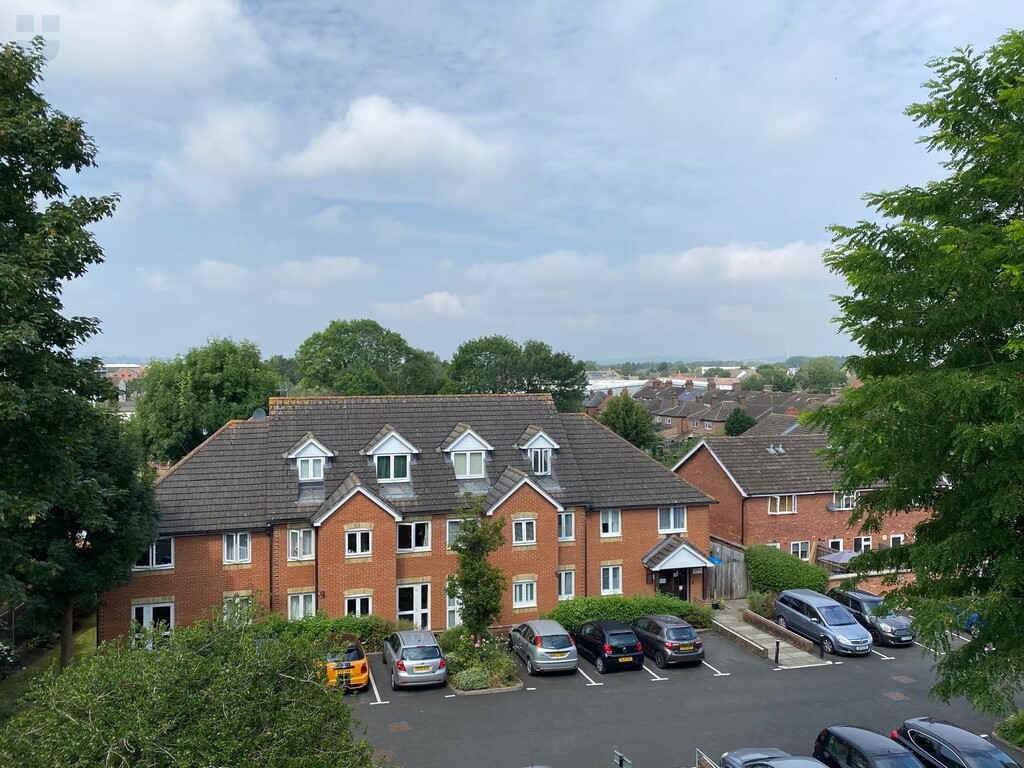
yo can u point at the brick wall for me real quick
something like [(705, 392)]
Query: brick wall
[(703, 472)]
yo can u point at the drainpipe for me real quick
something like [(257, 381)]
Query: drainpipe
[(316, 566), (270, 549), (586, 555)]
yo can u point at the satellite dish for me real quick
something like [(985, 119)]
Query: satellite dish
[(259, 415)]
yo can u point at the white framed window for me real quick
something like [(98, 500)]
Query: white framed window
[(707, 425), (861, 543), (358, 605), (301, 605), (524, 532), (566, 585), (836, 544), (801, 549), (159, 555), (236, 548), (782, 505), (541, 458), (300, 544), (896, 540), (774, 545), (611, 580), (657, 419), (695, 423), (611, 522), (357, 543), (453, 527), (414, 604), (524, 594), (154, 614), (414, 537), (668, 420), (845, 501), (671, 519), (454, 612), (468, 463), (311, 468), (393, 468), (237, 606), (566, 526)]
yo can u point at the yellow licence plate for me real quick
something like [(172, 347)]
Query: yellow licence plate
[(626, 658), (558, 655), (685, 647), (421, 669)]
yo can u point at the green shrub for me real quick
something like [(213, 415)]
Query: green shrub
[(1012, 729), (756, 601), (464, 652), (472, 679), (772, 570), (570, 613), (321, 629)]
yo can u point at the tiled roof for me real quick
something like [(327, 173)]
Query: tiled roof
[(769, 464), (776, 425), (238, 479)]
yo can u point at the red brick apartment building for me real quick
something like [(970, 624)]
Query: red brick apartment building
[(349, 505), (776, 490)]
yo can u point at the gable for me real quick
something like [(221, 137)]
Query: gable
[(339, 503), (392, 443), (539, 440), (308, 447), (523, 481), (469, 441)]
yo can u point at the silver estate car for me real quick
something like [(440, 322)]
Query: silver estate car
[(544, 646), (414, 658)]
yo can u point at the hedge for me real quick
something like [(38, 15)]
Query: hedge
[(570, 613), (772, 570), (1012, 729)]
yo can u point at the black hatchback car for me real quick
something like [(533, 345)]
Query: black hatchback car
[(846, 746), (939, 744), (885, 627), (608, 643), (668, 640)]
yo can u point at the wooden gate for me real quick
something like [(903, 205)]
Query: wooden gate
[(729, 577)]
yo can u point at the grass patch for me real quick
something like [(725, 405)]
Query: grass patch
[(17, 685)]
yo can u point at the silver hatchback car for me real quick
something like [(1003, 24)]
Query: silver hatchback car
[(414, 658), (544, 646)]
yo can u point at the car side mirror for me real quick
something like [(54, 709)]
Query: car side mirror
[(814, 620)]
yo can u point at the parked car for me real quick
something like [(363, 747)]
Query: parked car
[(886, 628), (347, 667), (414, 658), (668, 640), (823, 620), (544, 646), (938, 744), (608, 643), (846, 746), (765, 757)]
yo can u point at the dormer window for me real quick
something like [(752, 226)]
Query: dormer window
[(468, 464), (393, 468), (311, 457), (311, 468), (468, 452), (541, 460)]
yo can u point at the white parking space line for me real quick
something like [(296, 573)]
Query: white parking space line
[(886, 658), (449, 695), (376, 693), (654, 674), (718, 673), (930, 650), (590, 681), (531, 689), (828, 662), (957, 634)]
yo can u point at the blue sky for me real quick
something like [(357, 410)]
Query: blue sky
[(618, 179)]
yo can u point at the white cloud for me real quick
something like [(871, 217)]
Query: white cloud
[(290, 281), (741, 263), (153, 280), (435, 304), (390, 230), (333, 218)]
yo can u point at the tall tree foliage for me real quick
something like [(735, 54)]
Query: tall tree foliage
[(478, 584), (738, 422), (497, 364), (629, 419), (820, 374), (937, 313), (189, 398), (45, 393)]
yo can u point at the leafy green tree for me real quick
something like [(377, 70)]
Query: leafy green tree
[(738, 422), (478, 584), (422, 374), (46, 394), (774, 375), (629, 419), (207, 695), (717, 373), (189, 398), (497, 365), (820, 374), (287, 371), (352, 357), (936, 312)]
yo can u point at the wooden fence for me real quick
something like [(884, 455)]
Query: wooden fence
[(729, 577)]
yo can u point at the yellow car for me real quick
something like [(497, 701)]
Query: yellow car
[(348, 668)]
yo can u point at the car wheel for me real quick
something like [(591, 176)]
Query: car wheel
[(826, 646), (659, 659), (782, 622), (530, 669), (876, 636), (599, 663), (383, 659), (394, 682)]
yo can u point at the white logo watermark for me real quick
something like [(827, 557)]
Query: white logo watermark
[(48, 25)]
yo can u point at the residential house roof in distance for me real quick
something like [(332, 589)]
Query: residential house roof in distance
[(242, 477), (763, 465), (778, 425)]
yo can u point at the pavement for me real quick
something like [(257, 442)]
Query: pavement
[(730, 625)]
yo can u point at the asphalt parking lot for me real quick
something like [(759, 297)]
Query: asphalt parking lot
[(656, 718)]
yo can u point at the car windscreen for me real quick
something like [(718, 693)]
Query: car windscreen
[(836, 615), (557, 642), (352, 653), (621, 638), (421, 652), (905, 760), (680, 633), (994, 758)]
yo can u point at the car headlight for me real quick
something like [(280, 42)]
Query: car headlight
[(885, 627), (843, 639)]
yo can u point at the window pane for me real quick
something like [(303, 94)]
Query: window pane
[(664, 518), (401, 467), (303, 469), (243, 546), (163, 552), (383, 467), (405, 536), (530, 530), (476, 464), (421, 534), (460, 464), (307, 543), (453, 530), (162, 615), (229, 547)]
